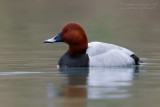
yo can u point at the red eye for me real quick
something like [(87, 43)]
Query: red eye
[(65, 30)]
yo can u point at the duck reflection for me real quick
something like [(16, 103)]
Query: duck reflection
[(108, 82), (80, 84), (74, 88)]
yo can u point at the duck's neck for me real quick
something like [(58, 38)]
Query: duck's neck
[(77, 49)]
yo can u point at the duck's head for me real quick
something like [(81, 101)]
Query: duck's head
[(74, 35)]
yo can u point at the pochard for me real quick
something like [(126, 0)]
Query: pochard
[(84, 54)]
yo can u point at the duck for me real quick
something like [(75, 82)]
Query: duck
[(83, 54)]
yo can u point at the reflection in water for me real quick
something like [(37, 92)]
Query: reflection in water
[(18, 73), (81, 84), (74, 90), (108, 82)]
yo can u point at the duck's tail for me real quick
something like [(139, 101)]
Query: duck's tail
[(136, 59)]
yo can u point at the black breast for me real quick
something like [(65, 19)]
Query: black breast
[(74, 60)]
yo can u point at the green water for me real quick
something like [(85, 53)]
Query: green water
[(28, 68)]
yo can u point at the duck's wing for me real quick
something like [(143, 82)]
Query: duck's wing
[(98, 48), (104, 54)]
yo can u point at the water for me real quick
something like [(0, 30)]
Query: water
[(28, 72)]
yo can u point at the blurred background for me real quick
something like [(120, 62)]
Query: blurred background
[(24, 24)]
